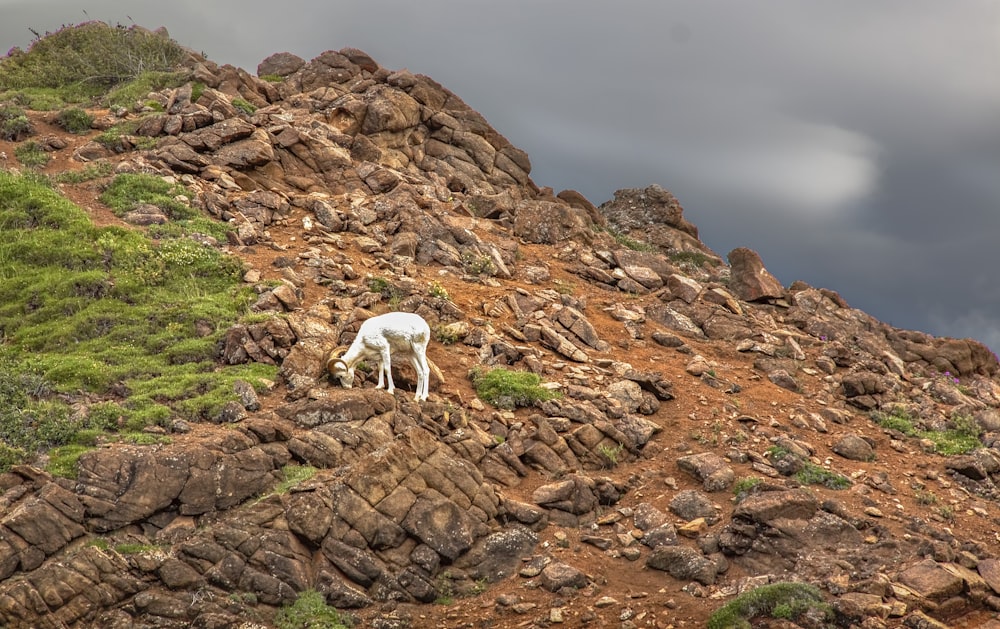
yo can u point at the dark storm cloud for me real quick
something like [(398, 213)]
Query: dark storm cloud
[(854, 145)]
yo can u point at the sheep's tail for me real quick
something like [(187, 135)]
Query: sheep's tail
[(434, 370)]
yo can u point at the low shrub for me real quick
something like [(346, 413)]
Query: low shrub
[(508, 389), (310, 611), (786, 600)]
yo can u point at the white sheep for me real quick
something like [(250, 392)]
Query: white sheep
[(400, 333)]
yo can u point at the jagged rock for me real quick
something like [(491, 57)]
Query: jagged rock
[(764, 507), (545, 222), (931, 580), (628, 393), (855, 448), (648, 517), (783, 379), (683, 563), (558, 575), (655, 216), (280, 64), (708, 468), (574, 495), (749, 279), (499, 554), (667, 316), (690, 505), (683, 288)]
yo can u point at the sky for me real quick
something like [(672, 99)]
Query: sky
[(855, 145)]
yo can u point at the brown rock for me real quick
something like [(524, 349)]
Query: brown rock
[(749, 280)]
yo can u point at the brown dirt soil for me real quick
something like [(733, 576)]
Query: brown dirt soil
[(701, 418)]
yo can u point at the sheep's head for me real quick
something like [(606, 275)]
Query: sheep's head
[(339, 370)]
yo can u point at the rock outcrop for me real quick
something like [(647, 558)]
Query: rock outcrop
[(680, 381)]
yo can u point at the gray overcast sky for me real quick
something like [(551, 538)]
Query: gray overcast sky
[(854, 144)]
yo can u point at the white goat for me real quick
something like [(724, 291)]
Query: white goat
[(400, 333)]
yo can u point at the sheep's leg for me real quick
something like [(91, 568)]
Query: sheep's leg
[(381, 376), (423, 371), (415, 363), (387, 369)]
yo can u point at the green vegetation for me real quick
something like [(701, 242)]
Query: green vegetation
[(129, 190), (961, 437), (94, 170), (271, 78), (746, 487), (785, 600), (438, 291), (244, 105), (92, 56), (294, 474), (63, 459), (31, 154), (134, 92), (445, 335), (110, 312), (134, 548), (120, 139), (812, 474), (692, 258), (310, 611), (509, 389), (386, 290), (630, 243), (14, 124), (478, 264), (74, 120), (610, 453)]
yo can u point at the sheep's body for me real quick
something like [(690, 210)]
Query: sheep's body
[(402, 334)]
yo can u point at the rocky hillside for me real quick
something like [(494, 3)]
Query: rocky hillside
[(713, 431)]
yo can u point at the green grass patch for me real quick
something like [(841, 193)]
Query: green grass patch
[(812, 474), (134, 548), (508, 389), (311, 611), (631, 243), (31, 154), (293, 475), (244, 105), (786, 600), (63, 460), (128, 190), (692, 258), (746, 487), (133, 92), (93, 170), (106, 310), (963, 436)]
